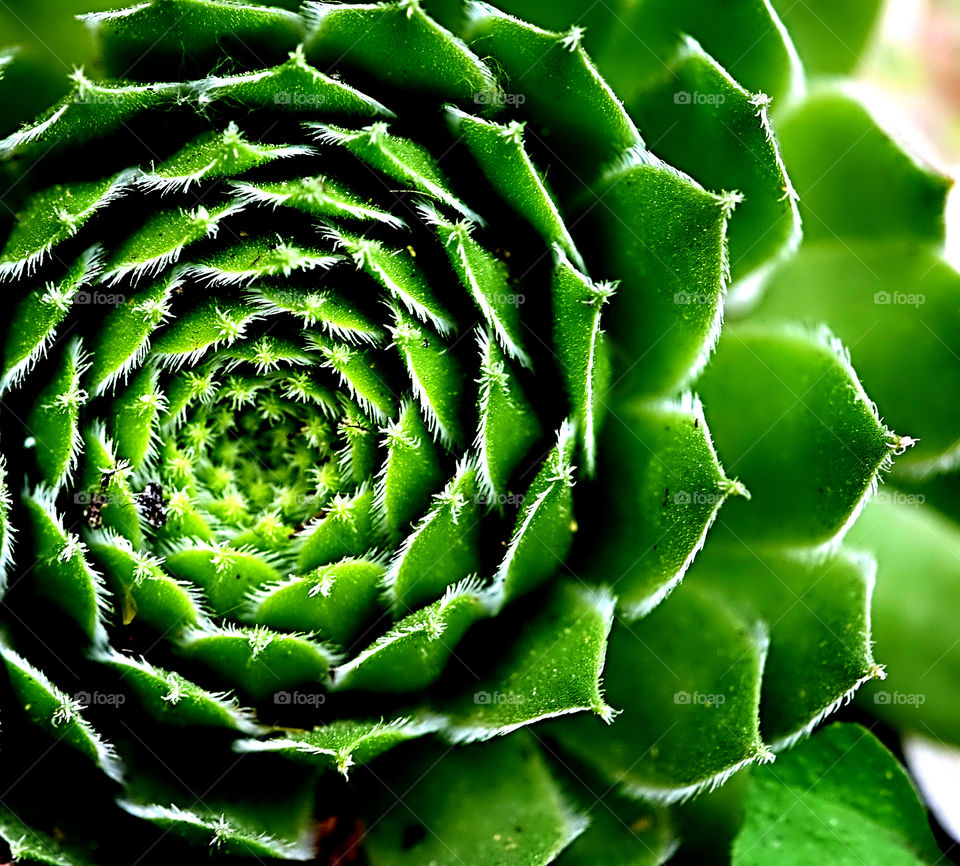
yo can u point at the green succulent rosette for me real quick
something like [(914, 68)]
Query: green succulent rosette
[(366, 399)]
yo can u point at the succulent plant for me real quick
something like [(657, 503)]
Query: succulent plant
[(367, 397)]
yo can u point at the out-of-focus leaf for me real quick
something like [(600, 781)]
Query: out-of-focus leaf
[(487, 804), (841, 791), (745, 36), (855, 181), (831, 36), (184, 33), (914, 607)]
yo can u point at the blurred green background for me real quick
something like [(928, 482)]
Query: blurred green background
[(50, 42)]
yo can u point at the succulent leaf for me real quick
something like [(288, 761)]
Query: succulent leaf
[(787, 410), (831, 777), (673, 737), (519, 811)]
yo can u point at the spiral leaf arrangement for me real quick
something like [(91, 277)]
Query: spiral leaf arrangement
[(352, 396)]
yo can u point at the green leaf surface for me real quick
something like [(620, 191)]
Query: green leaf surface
[(162, 239), (666, 487), (877, 295), (54, 419), (173, 700), (490, 804), (687, 680), (135, 417), (341, 744), (90, 111), (205, 327), (39, 314), (29, 846), (258, 661), (413, 653), (745, 36), (123, 340), (337, 317), (205, 828), (486, 278), (61, 571), (843, 792), (410, 473), (105, 473), (443, 547), (295, 87), (143, 588), (544, 529), (499, 151), (663, 237), (53, 215), (344, 530), (57, 713), (226, 573), (508, 425), (790, 417), (835, 152), (317, 196), (552, 670), (396, 157), (255, 259), (213, 155), (705, 124), (397, 272), (551, 80), (398, 44), (332, 601), (817, 611), (918, 585), (581, 347), (182, 33), (435, 376), (7, 530)]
